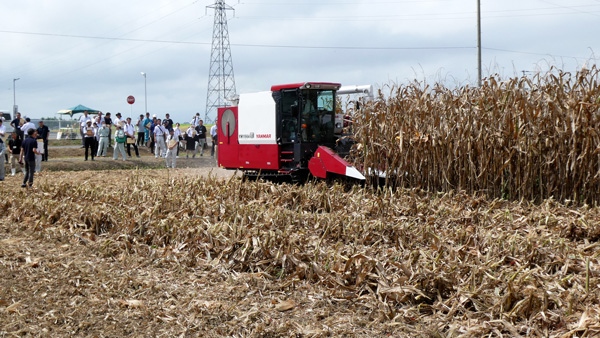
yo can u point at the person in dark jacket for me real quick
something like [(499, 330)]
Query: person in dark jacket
[(14, 149), (43, 133), (28, 152)]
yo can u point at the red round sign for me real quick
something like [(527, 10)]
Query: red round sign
[(130, 99)]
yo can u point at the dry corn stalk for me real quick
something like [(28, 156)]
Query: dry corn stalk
[(524, 138)]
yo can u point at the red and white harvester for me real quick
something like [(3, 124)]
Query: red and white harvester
[(286, 132)]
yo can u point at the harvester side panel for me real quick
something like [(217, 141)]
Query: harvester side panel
[(256, 116), (227, 136), (259, 156), (257, 136)]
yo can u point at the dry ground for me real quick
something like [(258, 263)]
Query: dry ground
[(198, 253), (56, 283)]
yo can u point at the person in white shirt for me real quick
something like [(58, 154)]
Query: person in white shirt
[(38, 155), (159, 136), (171, 155), (83, 123), (96, 142), (130, 132), (2, 128), (89, 138), (98, 119), (213, 138), (190, 142), (118, 119), (177, 136), (141, 131), (195, 121), (28, 125)]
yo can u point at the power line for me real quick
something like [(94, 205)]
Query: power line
[(571, 8), (336, 3), (533, 53), (103, 38), (429, 16), (237, 44), (290, 46)]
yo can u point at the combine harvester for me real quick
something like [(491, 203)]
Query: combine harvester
[(288, 132)]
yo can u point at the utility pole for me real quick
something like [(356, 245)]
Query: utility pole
[(479, 43), (145, 94), (221, 83), (15, 98)]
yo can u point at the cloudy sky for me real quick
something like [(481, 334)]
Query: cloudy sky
[(69, 52)]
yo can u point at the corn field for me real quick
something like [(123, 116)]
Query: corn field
[(523, 138), (351, 262)]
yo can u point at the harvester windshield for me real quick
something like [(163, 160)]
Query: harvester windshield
[(317, 116)]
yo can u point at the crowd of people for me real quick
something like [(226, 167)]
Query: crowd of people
[(163, 137), (27, 146)]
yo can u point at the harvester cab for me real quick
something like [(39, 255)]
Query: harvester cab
[(288, 131)]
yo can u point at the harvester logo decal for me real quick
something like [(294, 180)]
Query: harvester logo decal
[(263, 136), (251, 135)]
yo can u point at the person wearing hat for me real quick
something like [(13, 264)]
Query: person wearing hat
[(171, 154), (103, 135), (120, 139), (88, 136), (160, 133)]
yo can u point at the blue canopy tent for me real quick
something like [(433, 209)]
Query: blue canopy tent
[(79, 109)]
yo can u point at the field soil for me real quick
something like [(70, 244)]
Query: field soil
[(56, 282), (198, 252)]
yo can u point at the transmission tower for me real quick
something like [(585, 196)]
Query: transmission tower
[(221, 84)]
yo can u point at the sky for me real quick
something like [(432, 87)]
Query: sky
[(70, 52)]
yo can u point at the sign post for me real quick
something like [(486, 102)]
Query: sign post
[(131, 101)]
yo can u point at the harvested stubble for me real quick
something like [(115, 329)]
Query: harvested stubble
[(406, 262), (524, 138)]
